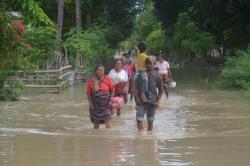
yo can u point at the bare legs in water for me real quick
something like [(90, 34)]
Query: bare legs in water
[(107, 124), (165, 90), (140, 126)]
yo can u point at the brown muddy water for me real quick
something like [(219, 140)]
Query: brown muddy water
[(196, 126)]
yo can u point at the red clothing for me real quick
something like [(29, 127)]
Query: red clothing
[(132, 70), (104, 85)]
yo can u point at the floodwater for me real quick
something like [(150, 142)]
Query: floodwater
[(196, 126)]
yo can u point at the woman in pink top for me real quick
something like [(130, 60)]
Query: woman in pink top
[(164, 70), (119, 78)]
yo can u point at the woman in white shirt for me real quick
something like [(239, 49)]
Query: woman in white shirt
[(164, 70), (120, 81)]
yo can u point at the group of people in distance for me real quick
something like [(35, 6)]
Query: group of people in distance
[(144, 78)]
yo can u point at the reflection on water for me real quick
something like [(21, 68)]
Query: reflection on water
[(195, 126)]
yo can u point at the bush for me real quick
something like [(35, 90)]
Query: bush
[(44, 42), (12, 91), (91, 45), (236, 72)]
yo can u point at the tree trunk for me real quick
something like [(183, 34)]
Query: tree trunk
[(78, 14), (60, 14), (78, 25), (88, 20), (88, 15), (78, 63)]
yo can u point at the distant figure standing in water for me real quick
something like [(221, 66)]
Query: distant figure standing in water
[(153, 96), (164, 71), (100, 91), (129, 67)]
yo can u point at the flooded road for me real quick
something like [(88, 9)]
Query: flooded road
[(196, 126)]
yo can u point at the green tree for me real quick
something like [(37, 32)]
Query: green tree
[(188, 38), (31, 11), (167, 11), (146, 28), (227, 20)]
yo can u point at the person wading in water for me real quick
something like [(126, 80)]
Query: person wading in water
[(120, 80), (129, 67), (164, 71), (100, 92), (153, 96)]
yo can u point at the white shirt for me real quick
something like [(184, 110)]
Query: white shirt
[(163, 67), (116, 77)]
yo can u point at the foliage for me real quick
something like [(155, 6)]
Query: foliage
[(167, 11), (189, 38), (227, 20), (120, 14), (90, 44), (12, 92), (145, 23), (31, 11), (43, 40), (14, 51), (146, 28), (236, 72), (156, 41), (184, 37), (84, 41)]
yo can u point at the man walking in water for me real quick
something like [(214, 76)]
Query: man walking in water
[(153, 96)]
